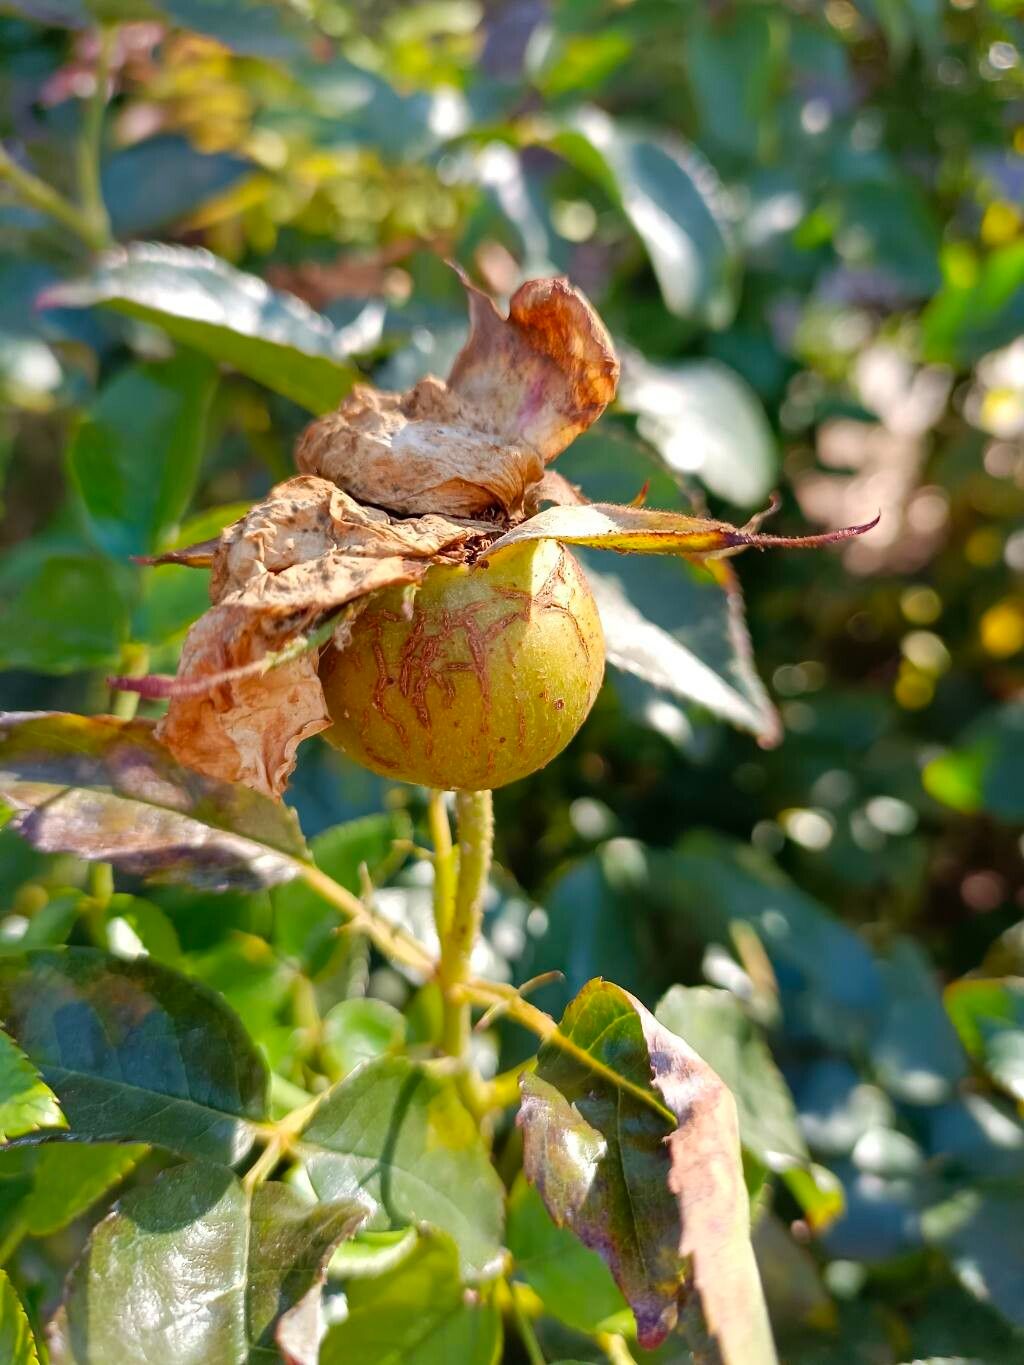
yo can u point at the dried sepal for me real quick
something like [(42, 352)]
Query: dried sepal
[(642, 530), (521, 389), (247, 691)]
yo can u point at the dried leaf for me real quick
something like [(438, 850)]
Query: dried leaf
[(642, 530), (632, 1141), (521, 389), (104, 788), (293, 559)]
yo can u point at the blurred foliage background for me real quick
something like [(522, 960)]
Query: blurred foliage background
[(804, 224)]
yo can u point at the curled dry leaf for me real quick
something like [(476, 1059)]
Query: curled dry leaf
[(450, 473)]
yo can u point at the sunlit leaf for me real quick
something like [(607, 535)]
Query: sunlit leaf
[(989, 1017), (134, 1052), (26, 1102), (705, 422), (356, 1031), (632, 1142), (419, 1313), (572, 1282), (17, 1346), (135, 457), (673, 198), (104, 788), (398, 1133), (197, 1237), (230, 316)]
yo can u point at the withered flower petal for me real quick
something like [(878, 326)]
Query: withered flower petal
[(520, 390)]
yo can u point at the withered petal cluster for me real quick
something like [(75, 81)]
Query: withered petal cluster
[(391, 484)]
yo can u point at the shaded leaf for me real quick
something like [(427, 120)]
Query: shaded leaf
[(713, 1023), (420, 1313), (158, 181), (105, 788), (233, 317), (197, 1237), (62, 1180), (397, 1132), (134, 927), (135, 456), (572, 1282), (979, 1230), (916, 1054), (134, 1052), (632, 1142), (984, 770), (17, 1346), (26, 1102), (673, 198), (989, 1017), (60, 612), (704, 420)]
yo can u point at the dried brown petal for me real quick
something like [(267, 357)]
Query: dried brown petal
[(302, 554), (520, 390)]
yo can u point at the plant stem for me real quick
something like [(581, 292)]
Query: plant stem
[(445, 864), (39, 195), (134, 663), (475, 817), (89, 151), (263, 1167), (392, 940), (615, 1348), (524, 1327)]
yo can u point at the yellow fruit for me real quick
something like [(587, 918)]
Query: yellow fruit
[(486, 679)]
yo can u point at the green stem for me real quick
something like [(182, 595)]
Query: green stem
[(38, 195), (615, 1349), (524, 1327), (475, 817), (89, 151), (134, 663), (444, 863)]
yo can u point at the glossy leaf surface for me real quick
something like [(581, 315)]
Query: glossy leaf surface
[(632, 1142), (105, 788), (134, 1052)]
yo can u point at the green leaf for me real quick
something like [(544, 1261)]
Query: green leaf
[(984, 771), (632, 1142), (672, 624), (673, 199), (133, 927), (915, 1052), (356, 1031), (106, 789), (135, 457), (135, 1052), (713, 1023), (233, 317), (304, 927), (173, 595), (26, 1102), (572, 1282), (64, 1179), (704, 420), (418, 1314), (59, 612), (980, 1232), (989, 1017), (965, 320), (254, 1263), (16, 1344), (397, 1132)]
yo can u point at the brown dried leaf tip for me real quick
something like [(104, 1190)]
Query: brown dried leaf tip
[(391, 484)]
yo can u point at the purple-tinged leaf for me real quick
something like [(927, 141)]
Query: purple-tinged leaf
[(106, 789), (632, 1141)]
